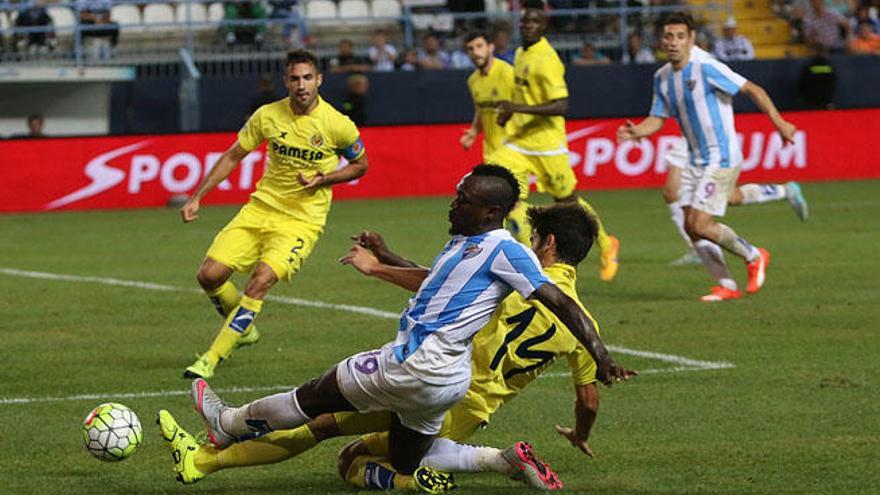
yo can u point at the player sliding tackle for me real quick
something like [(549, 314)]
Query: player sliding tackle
[(698, 92), (520, 341), (427, 369)]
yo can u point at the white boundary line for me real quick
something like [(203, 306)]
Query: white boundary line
[(684, 363)]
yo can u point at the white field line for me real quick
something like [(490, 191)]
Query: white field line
[(684, 364)]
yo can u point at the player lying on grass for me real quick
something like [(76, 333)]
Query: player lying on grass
[(478, 200)]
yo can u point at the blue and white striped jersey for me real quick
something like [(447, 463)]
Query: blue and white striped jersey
[(465, 285), (700, 97)]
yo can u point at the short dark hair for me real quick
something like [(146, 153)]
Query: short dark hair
[(303, 57), (680, 18), (34, 116), (533, 4), (574, 229), (505, 196), (476, 34)]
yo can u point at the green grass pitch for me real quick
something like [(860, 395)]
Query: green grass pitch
[(799, 413)]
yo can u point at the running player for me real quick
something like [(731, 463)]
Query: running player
[(277, 229), (427, 369), (491, 82), (516, 346), (676, 159), (537, 144), (698, 92)]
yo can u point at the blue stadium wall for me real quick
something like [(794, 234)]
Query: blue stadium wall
[(151, 105)]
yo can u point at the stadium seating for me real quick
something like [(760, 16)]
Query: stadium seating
[(354, 12), (4, 21), (320, 9), (386, 8), (198, 12), (128, 16), (62, 17), (215, 12), (159, 17)]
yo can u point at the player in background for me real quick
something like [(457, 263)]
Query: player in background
[(491, 82), (427, 369), (537, 142), (520, 341), (277, 229), (676, 160), (698, 92)]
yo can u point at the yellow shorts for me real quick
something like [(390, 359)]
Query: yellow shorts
[(261, 233), (553, 172)]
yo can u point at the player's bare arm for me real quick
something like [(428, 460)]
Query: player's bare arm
[(470, 134), (586, 409), (506, 109), (376, 244), (224, 166), (645, 128), (762, 100), (354, 170), (577, 322), (365, 262)]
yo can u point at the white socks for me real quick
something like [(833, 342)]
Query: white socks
[(677, 214), (736, 244), (713, 260), (761, 193), (275, 412), (453, 457)]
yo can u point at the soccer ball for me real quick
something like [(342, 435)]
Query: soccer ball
[(112, 432)]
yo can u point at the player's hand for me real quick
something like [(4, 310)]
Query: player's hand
[(626, 131), (468, 139), (316, 180), (610, 373), (189, 212), (505, 112), (372, 241), (570, 435), (786, 131), (361, 259)]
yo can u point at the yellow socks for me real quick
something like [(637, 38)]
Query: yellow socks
[(603, 241), (274, 447), (239, 321), (518, 224), (376, 473), (225, 298)]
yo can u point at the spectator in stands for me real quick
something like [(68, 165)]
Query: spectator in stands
[(245, 33), (382, 54), (866, 41), (97, 13), (35, 126), (732, 46), (286, 9), (864, 14), (635, 52), (266, 93), (825, 30), (501, 41), (410, 60), (34, 15), (347, 61), (355, 104), (431, 56), (459, 59), (589, 56)]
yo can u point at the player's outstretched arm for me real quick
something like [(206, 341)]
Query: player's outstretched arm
[(586, 409), (577, 322), (470, 134), (224, 166), (762, 100), (645, 128), (376, 244), (365, 262), (506, 109)]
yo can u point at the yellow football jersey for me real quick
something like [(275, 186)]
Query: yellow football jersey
[(304, 144), (486, 91), (539, 78), (518, 344)]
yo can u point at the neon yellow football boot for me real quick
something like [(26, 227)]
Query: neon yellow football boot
[(183, 448)]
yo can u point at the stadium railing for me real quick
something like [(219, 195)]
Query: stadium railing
[(152, 34)]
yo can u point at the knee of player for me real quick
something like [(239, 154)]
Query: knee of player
[(260, 283), (207, 279), (670, 195), (324, 427), (348, 454), (697, 228)]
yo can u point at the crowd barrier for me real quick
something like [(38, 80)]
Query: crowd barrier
[(418, 160)]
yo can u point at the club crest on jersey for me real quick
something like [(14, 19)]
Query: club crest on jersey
[(316, 141), (691, 84), (471, 250)]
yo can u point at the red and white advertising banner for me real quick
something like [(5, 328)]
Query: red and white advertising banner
[(417, 160)]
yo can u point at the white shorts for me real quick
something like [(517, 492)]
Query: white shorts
[(707, 188), (375, 381), (677, 156)]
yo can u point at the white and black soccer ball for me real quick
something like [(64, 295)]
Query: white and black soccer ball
[(112, 432)]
